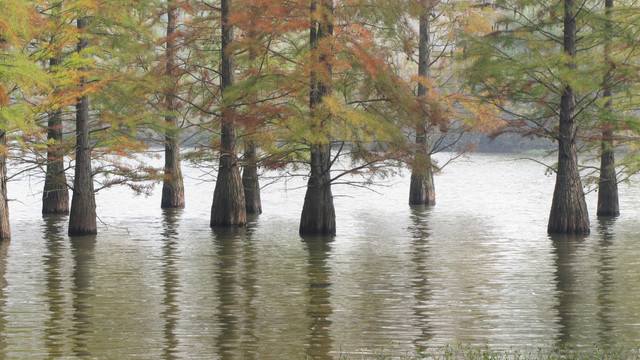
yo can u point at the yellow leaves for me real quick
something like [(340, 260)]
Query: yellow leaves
[(477, 25), (18, 24), (477, 115), (477, 19), (89, 6)]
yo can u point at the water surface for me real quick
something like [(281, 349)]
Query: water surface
[(477, 269)]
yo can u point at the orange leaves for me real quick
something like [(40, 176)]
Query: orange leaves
[(257, 17), (4, 96), (19, 22)]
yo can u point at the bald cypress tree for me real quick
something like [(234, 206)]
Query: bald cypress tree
[(608, 204), (318, 213), (422, 189), (82, 218), (55, 196), (228, 208), (543, 86), (172, 185)]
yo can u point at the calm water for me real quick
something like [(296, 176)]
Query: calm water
[(476, 269)]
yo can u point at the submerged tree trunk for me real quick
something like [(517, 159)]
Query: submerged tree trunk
[(172, 185), (608, 204), (228, 207), (55, 196), (568, 209), (250, 181), (5, 229), (82, 219), (422, 189), (318, 213)]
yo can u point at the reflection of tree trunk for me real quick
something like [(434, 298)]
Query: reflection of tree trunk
[(82, 251), (231, 307), (4, 251), (250, 181), (604, 295), (421, 257), (5, 230), (608, 183), (56, 294), (318, 213), (55, 196), (82, 219), (228, 207), (564, 248), (171, 281), (319, 309), (172, 186), (422, 189), (568, 209), (226, 282)]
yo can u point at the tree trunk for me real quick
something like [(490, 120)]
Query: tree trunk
[(228, 207), (250, 181), (608, 184), (5, 229), (422, 189), (568, 209), (55, 196), (82, 219), (172, 185), (608, 204), (318, 213)]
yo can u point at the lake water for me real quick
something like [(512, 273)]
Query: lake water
[(477, 269)]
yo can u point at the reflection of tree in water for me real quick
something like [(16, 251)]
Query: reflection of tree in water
[(605, 271), (82, 250), (564, 248), (171, 286), (237, 290), (569, 292), (4, 251), (420, 232), (56, 244), (319, 308)]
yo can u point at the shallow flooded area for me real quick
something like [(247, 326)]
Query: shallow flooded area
[(477, 269)]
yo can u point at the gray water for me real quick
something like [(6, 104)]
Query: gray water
[(477, 269)]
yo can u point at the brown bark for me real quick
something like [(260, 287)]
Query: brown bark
[(318, 214), (82, 218), (5, 229), (250, 181), (568, 209), (55, 196), (608, 204), (228, 207), (172, 185), (422, 189)]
